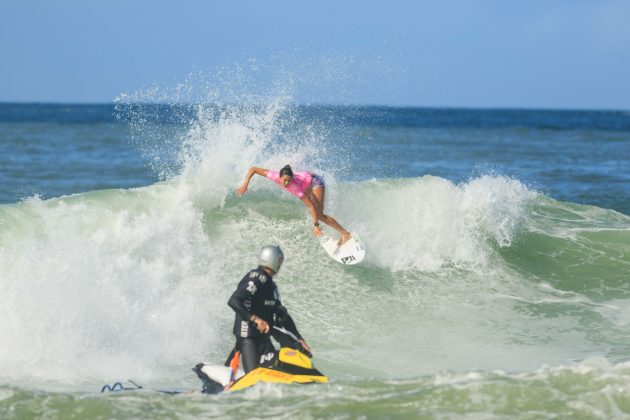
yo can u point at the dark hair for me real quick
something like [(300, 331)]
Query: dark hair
[(286, 170)]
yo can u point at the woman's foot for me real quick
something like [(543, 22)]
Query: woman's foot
[(344, 238)]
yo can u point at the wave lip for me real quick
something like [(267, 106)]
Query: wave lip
[(427, 223)]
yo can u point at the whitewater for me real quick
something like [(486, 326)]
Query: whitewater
[(481, 296)]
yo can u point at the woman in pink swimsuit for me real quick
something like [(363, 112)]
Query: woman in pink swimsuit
[(308, 187)]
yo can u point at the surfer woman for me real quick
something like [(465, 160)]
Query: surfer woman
[(308, 187)]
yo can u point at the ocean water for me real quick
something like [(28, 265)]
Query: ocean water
[(496, 285)]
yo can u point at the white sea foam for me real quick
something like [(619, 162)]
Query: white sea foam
[(430, 222), (127, 282)]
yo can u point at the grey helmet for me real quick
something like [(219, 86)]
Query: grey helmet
[(271, 256)]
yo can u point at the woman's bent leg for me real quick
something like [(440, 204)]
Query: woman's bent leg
[(317, 196)]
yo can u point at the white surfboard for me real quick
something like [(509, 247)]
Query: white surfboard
[(351, 252)]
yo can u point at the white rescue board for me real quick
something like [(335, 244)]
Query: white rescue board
[(221, 374)]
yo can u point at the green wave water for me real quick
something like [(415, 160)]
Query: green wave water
[(483, 298), (593, 389)]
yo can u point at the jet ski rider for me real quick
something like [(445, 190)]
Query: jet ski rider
[(256, 302)]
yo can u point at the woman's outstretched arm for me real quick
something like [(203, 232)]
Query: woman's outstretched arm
[(253, 170)]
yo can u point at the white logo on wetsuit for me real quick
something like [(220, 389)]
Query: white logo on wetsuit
[(266, 357), (244, 328), (270, 302), (251, 287)]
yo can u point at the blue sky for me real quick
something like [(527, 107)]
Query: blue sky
[(524, 54)]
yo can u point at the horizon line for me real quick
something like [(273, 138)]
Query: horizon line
[(333, 105)]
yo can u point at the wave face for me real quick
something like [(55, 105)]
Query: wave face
[(486, 275)]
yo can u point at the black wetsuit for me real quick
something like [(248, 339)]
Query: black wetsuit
[(258, 295)]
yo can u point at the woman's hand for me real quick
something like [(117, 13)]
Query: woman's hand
[(261, 325), (252, 171), (317, 231), (240, 191)]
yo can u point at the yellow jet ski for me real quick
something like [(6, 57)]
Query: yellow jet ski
[(290, 365), (287, 366)]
